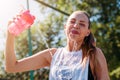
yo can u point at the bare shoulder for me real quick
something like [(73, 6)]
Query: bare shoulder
[(101, 65), (99, 54), (49, 53), (100, 58), (53, 50)]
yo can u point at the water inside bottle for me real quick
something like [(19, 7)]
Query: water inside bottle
[(21, 23)]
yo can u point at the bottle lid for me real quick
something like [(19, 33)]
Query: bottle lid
[(28, 17)]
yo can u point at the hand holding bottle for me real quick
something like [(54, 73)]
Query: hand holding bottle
[(21, 23)]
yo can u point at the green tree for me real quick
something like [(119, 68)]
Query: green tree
[(105, 22)]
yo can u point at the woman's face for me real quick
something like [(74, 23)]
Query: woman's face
[(76, 27)]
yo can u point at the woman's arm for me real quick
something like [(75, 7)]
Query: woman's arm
[(101, 69), (39, 60)]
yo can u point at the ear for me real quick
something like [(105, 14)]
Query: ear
[(64, 26), (88, 32)]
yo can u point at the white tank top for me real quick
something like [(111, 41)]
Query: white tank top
[(67, 65)]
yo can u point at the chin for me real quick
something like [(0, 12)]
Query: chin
[(75, 38)]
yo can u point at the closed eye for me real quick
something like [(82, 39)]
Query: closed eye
[(81, 24), (72, 21)]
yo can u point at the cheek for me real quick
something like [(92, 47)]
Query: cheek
[(84, 32), (68, 29)]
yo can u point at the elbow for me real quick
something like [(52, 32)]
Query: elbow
[(9, 69)]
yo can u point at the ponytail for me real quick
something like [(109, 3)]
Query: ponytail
[(89, 44)]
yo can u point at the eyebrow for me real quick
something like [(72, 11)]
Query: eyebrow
[(79, 21), (82, 21)]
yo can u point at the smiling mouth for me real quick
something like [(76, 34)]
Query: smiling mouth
[(74, 32)]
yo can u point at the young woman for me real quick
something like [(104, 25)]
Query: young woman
[(80, 59)]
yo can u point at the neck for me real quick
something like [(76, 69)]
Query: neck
[(74, 45)]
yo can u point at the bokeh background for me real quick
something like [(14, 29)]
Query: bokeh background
[(47, 30)]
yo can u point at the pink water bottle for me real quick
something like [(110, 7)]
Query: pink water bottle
[(22, 22)]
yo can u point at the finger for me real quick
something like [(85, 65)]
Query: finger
[(9, 22)]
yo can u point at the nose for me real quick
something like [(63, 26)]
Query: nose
[(76, 25)]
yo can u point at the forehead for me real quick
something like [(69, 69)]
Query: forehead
[(79, 16)]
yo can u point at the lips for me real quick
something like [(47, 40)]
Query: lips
[(74, 32)]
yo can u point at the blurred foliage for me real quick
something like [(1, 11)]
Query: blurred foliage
[(105, 22)]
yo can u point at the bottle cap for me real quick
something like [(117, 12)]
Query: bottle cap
[(28, 17)]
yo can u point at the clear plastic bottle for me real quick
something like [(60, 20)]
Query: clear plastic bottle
[(22, 22)]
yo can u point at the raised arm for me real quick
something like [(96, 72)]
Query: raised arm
[(39, 60)]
